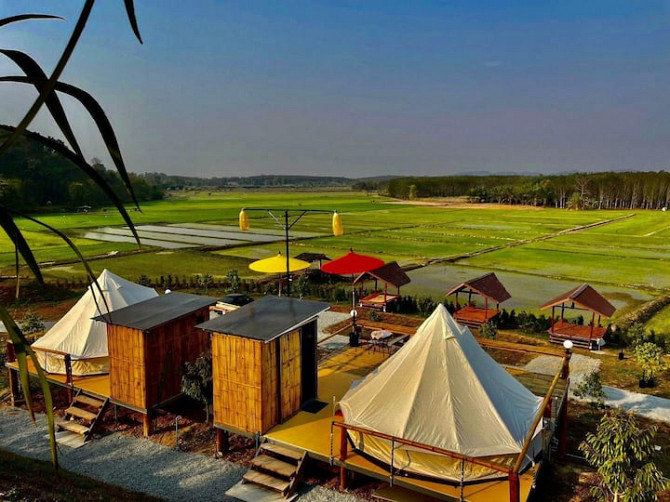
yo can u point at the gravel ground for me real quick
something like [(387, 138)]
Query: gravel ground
[(328, 319), (646, 405), (139, 464)]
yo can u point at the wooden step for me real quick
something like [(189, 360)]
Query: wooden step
[(274, 465), (94, 402), (79, 413), (281, 451), (267, 481), (73, 427)]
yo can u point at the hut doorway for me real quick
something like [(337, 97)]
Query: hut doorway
[(308, 362)]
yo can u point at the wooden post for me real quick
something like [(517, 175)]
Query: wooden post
[(67, 360), (13, 376), (343, 457), (513, 480), (563, 424), (222, 441), (552, 319), (593, 319), (563, 431), (146, 423)]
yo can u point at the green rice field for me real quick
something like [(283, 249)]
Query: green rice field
[(626, 257)]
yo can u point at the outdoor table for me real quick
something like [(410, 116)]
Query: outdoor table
[(380, 338)]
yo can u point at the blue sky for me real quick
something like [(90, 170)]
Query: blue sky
[(363, 88)]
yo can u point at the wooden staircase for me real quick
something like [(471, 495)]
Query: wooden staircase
[(276, 468), (82, 415)]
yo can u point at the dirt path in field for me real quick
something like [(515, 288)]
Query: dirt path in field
[(453, 259)]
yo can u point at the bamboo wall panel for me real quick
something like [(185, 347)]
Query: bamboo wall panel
[(238, 384), (169, 347), (269, 386), (145, 368), (290, 374), (127, 382)]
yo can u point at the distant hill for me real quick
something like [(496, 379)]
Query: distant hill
[(261, 181)]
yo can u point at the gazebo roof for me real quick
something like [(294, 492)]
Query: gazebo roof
[(486, 285), (586, 297), (390, 273), (312, 257)]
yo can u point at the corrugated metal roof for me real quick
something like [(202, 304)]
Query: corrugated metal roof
[(390, 273), (487, 285), (585, 296), (156, 311), (267, 318)]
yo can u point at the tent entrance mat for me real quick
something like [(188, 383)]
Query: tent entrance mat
[(313, 406)]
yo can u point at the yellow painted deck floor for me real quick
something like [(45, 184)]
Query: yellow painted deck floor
[(312, 431), (97, 385)]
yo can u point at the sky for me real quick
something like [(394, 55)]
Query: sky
[(361, 88)]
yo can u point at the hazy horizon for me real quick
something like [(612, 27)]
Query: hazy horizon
[(361, 89)]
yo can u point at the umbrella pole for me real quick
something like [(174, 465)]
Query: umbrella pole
[(288, 268)]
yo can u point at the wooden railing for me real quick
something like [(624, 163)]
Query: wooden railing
[(67, 362), (512, 473)]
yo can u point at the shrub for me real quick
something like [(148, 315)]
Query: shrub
[(196, 382), (374, 316), (32, 323), (489, 330), (650, 358), (234, 282), (144, 280), (591, 388), (623, 453)]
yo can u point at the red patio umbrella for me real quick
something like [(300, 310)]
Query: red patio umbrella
[(352, 263)]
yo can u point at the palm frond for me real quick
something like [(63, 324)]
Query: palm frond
[(23, 351), (80, 162), (104, 126), (25, 17), (14, 233), (39, 79), (130, 10), (51, 83)]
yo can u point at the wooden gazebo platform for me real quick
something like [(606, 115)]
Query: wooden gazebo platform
[(582, 298), (389, 274), (487, 286)]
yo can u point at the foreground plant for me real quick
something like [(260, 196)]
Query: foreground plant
[(623, 454), (48, 88)]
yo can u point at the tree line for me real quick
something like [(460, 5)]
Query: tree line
[(606, 190), (34, 178)]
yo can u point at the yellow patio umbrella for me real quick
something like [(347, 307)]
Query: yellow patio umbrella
[(278, 264)]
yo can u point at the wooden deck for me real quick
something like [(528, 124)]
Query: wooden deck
[(474, 316), (97, 385), (312, 432), (377, 301), (563, 330)]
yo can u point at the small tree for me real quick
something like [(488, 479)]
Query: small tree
[(32, 323), (489, 330), (591, 388), (234, 282), (196, 382), (650, 358), (622, 453)]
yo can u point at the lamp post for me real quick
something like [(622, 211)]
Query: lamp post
[(286, 224)]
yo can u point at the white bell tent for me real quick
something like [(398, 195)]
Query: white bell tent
[(443, 390), (84, 339)]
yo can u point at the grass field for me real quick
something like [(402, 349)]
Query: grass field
[(627, 258)]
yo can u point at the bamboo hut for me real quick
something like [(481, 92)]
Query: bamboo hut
[(149, 342), (389, 274), (582, 298), (487, 286), (264, 363)]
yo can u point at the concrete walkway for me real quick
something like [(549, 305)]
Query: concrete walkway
[(139, 464)]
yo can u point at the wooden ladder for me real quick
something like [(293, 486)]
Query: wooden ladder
[(83, 414), (276, 468)]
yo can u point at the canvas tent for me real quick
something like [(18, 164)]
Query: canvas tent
[(443, 390), (79, 335)]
